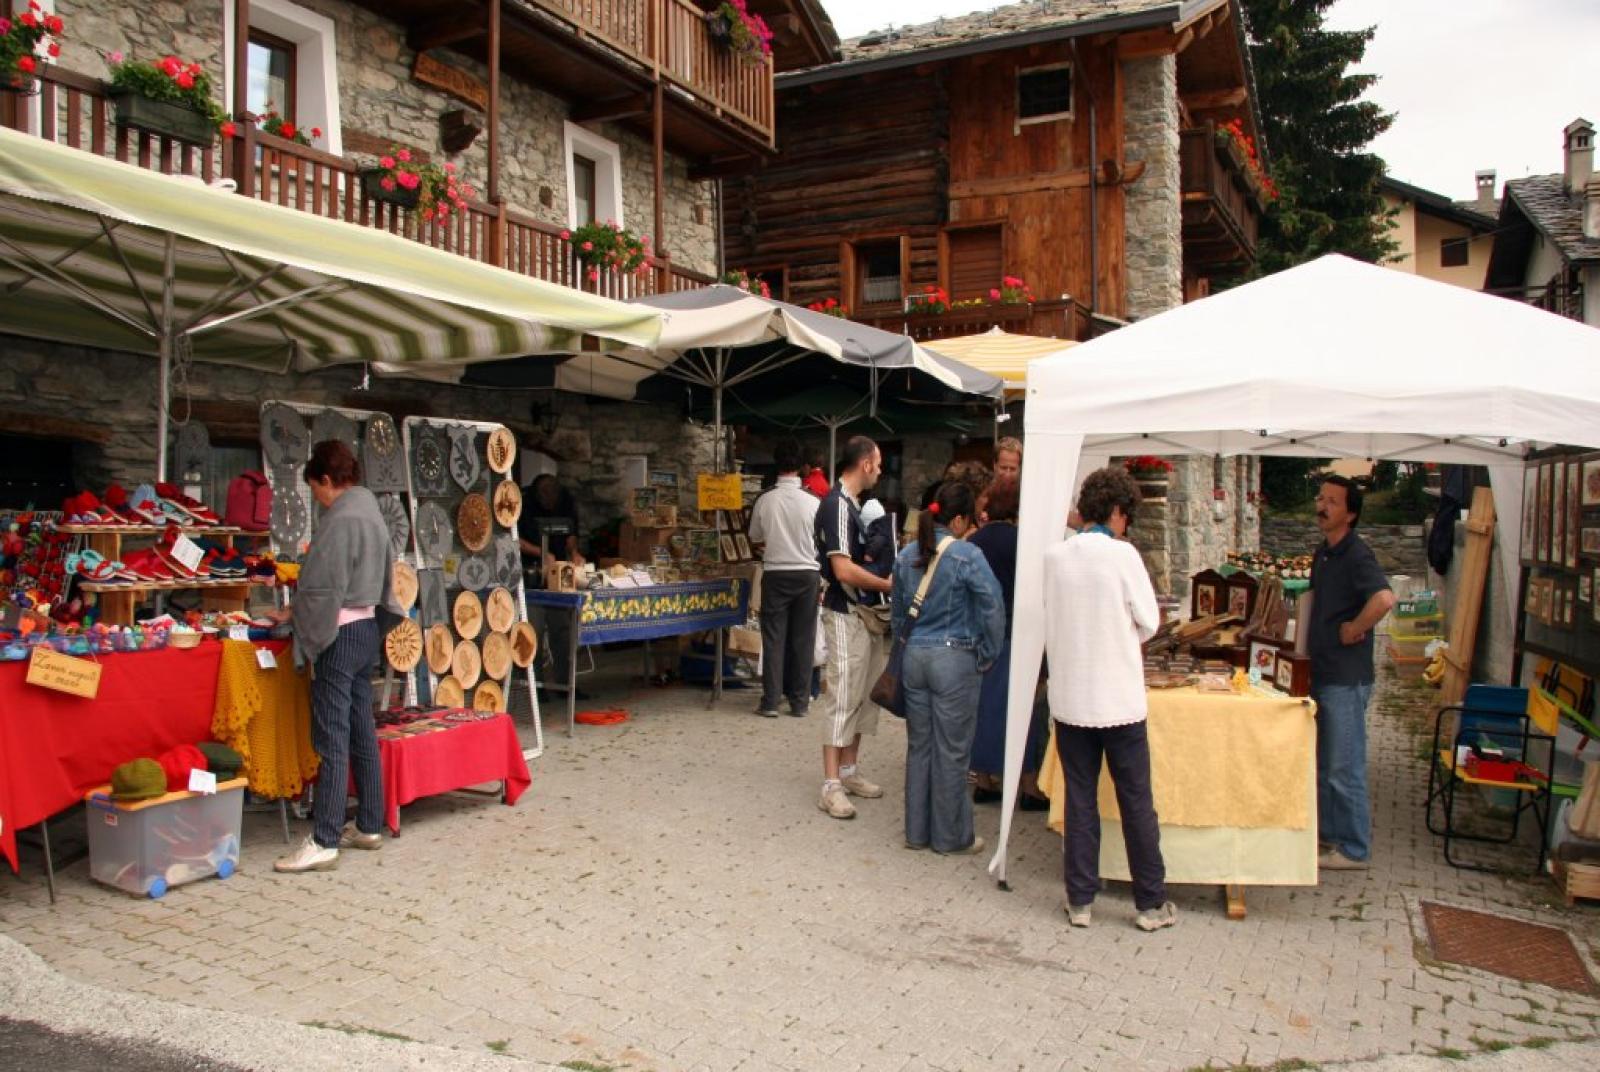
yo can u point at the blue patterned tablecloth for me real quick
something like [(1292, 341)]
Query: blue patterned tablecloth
[(612, 614)]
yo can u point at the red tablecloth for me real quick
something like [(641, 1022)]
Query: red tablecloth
[(55, 747), (467, 753)]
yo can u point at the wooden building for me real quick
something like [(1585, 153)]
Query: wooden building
[(1080, 145)]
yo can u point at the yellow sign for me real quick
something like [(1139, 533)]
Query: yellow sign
[(51, 670), (725, 492)]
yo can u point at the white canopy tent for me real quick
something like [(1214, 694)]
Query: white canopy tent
[(1334, 358)]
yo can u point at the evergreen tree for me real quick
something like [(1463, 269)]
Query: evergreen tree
[(1317, 129)]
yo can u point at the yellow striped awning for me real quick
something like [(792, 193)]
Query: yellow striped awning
[(1000, 353)]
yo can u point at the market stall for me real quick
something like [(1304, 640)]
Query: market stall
[(1282, 366)]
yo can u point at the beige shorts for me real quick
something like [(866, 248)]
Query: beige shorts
[(855, 659)]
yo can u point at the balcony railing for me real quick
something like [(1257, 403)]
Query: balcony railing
[(1063, 319), (1562, 298), (1221, 205), (672, 37), (72, 109)]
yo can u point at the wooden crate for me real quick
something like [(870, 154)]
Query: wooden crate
[(1577, 880)]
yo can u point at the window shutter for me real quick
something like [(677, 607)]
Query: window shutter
[(975, 262)]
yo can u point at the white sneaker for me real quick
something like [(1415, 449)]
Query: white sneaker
[(858, 786), (1334, 860), (835, 803), (352, 838), (308, 857), (1078, 915), (1153, 919)]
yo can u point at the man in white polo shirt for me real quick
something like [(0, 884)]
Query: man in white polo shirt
[(782, 521)]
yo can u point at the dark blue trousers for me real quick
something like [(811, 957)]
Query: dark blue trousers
[(343, 733)]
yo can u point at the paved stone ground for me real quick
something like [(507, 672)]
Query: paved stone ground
[(668, 897)]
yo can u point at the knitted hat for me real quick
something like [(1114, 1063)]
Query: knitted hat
[(177, 762), (221, 760), (141, 779)]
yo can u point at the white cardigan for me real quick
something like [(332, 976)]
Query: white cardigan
[(1098, 608)]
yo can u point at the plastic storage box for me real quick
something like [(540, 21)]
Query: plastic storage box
[(148, 846)]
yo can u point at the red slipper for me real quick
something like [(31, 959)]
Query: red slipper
[(196, 509), (601, 718)]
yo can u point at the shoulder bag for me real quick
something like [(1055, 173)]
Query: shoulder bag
[(887, 692)]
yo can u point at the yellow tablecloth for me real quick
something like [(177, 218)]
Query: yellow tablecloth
[(1235, 785), (265, 716)]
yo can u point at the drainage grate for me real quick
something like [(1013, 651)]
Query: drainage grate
[(1531, 952)]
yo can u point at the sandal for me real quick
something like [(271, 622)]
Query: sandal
[(202, 514)]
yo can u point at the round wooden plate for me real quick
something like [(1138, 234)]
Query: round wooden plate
[(403, 645), (496, 656), (472, 522), (468, 615), (489, 697), (501, 449), (448, 693), (441, 646), (524, 645), (501, 610), (466, 666), (405, 585), (507, 503)]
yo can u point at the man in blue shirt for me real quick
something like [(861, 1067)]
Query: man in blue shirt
[(857, 650), (1350, 596)]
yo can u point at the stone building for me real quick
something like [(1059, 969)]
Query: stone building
[(624, 112)]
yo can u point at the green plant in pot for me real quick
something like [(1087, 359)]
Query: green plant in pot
[(171, 98), (22, 35)]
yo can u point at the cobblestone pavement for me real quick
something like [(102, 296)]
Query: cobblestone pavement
[(668, 897)]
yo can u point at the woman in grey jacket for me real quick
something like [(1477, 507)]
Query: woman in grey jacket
[(344, 586)]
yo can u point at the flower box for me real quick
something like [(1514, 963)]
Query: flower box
[(720, 27), (373, 190), (165, 118)]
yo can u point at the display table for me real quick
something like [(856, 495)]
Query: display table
[(55, 747), (604, 615), (1235, 784), (463, 754)]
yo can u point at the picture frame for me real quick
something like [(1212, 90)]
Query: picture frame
[(1589, 494), (643, 500), (1208, 594), (733, 521), (1546, 474), (1574, 512), (1585, 587), (742, 542), (1262, 654), (1292, 673), (1527, 553), (664, 478), (730, 550), (1242, 592), (1558, 516), (1589, 540), (1594, 606), (702, 545)]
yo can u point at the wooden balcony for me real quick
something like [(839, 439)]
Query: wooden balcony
[(1564, 298), (1064, 319), (72, 109), (608, 56), (1222, 203)]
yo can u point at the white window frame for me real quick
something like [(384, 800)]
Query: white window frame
[(1053, 117), (607, 157), (316, 65)]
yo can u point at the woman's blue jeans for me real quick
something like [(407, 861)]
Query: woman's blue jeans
[(941, 686)]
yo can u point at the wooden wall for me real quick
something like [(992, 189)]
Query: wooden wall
[(909, 151)]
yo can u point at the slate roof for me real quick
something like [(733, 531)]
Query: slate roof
[(1557, 214), (1011, 20)]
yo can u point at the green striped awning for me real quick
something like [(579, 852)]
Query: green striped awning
[(106, 254)]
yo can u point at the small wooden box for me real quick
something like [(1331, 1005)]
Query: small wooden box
[(1208, 594), (560, 577), (1293, 673), (1576, 880)]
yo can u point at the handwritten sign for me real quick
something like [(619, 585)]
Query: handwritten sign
[(724, 492), (51, 670), (453, 80), (202, 781), (265, 659), (188, 553)]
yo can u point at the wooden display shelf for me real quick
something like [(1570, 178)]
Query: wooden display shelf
[(154, 530), (181, 585), (117, 601)]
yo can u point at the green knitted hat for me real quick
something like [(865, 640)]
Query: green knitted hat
[(221, 760), (141, 779)]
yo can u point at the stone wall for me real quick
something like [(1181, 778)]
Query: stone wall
[(1189, 532), (1401, 549), (112, 396), (379, 97), (1152, 211)]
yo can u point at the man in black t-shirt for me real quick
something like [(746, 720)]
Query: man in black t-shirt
[(856, 653), (549, 508), (1350, 596)]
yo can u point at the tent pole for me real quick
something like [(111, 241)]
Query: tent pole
[(164, 386), (833, 450)]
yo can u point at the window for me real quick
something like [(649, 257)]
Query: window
[(291, 61), (272, 75), (1453, 252), (594, 178), (1044, 93), (583, 176), (974, 257), (878, 266)]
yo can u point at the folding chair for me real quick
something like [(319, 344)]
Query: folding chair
[(1488, 748)]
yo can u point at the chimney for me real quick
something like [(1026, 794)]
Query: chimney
[(1591, 208), (1488, 204), (1579, 144)]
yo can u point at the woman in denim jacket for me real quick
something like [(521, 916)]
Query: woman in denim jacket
[(953, 641)]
